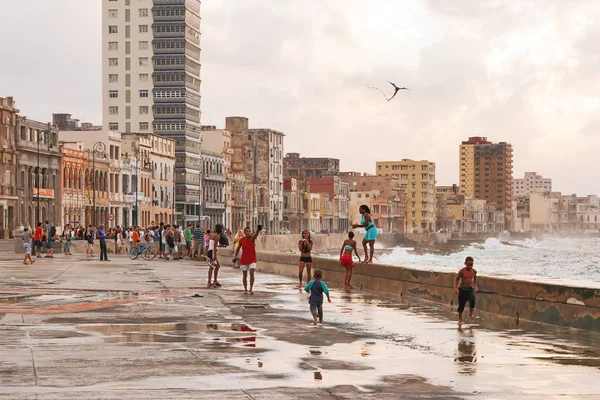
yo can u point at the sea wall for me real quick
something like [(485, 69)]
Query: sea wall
[(544, 302)]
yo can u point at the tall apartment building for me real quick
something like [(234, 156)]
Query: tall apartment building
[(258, 153), (486, 173), (9, 200), (151, 82), (417, 178), (531, 183)]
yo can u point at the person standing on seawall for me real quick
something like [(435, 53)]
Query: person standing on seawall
[(370, 232), (465, 286), (305, 246)]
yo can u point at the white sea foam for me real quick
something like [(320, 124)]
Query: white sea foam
[(564, 258)]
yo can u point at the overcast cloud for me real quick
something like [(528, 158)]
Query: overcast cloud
[(525, 72)]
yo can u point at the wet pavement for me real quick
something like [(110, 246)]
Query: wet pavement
[(74, 328)]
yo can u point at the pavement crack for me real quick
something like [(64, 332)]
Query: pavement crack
[(35, 372), (248, 394), (57, 276), (204, 361)]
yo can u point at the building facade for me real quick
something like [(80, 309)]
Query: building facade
[(39, 168), (10, 205), (258, 153), (391, 199), (531, 183), (293, 211), (417, 178), (74, 201), (310, 167), (337, 195), (486, 172), (151, 82)]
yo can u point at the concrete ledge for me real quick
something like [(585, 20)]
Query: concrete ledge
[(544, 302)]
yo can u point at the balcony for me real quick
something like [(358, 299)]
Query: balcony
[(116, 197), (214, 206)]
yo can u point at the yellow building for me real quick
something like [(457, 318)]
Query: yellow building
[(417, 178)]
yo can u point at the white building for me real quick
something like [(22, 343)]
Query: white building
[(151, 82), (531, 183)]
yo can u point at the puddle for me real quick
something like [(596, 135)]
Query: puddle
[(177, 332)]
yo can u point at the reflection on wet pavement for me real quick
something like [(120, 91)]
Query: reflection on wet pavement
[(224, 341)]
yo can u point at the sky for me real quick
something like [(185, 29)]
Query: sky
[(525, 72)]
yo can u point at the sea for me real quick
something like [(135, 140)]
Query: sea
[(556, 258)]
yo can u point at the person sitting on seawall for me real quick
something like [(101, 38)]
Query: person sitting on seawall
[(370, 232)]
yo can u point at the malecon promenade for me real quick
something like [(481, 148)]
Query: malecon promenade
[(78, 328)]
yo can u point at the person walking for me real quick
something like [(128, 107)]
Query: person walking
[(102, 238), (316, 287), (198, 242), (27, 246), (465, 286)]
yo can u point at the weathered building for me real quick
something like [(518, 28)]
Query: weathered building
[(39, 172), (9, 183)]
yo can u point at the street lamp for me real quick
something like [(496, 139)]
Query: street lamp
[(43, 136), (137, 153), (100, 148)]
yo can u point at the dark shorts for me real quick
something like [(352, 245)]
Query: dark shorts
[(306, 259), (209, 254), (49, 243), (37, 244), (464, 296), (188, 245)]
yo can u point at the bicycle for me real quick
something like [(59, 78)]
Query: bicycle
[(145, 251)]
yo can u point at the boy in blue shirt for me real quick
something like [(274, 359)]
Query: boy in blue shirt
[(316, 288)]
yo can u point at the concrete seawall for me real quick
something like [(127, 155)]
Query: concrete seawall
[(544, 302)]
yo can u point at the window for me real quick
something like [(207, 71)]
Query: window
[(113, 13), (143, 61), (113, 94), (113, 62), (143, 28), (143, 12), (113, 126), (113, 110), (143, 126), (143, 93), (113, 78), (113, 45), (143, 45), (143, 77), (113, 29), (143, 110)]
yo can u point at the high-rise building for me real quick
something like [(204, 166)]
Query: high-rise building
[(9, 195), (486, 173), (531, 183), (258, 153), (151, 82), (417, 178)]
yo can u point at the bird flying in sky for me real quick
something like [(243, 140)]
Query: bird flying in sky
[(396, 89)]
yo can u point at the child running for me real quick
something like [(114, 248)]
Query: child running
[(346, 259), (316, 288), (248, 259), (465, 286)]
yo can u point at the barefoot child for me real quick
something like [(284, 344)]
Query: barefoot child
[(316, 288), (346, 259), (27, 246), (465, 286), (248, 260), (305, 246)]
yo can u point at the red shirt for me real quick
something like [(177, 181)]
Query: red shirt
[(38, 234), (248, 252)]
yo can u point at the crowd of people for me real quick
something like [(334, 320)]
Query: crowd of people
[(177, 242)]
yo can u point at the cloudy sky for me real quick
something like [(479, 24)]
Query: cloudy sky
[(525, 72)]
